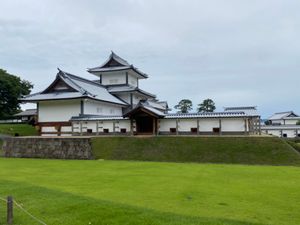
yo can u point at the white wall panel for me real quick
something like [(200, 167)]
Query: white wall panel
[(100, 108), (166, 124), (185, 125), (132, 80), (58, 111), (114, 78), (207, 125), (66, 129), (233, 125), (48, 129), (291, 122)]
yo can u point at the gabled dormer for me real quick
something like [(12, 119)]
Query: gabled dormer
[(117, 71), (59, 85)]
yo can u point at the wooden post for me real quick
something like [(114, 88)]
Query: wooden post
[(198, 126), (97, 128), (154, 126), (10, 207), (220, 127), (259, 125), (157, 127), (72, 128), (245, 120), (81, 128), (177, 126), (114, 127), (131, 127)]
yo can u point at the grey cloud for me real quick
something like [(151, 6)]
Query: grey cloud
[(236, 52)]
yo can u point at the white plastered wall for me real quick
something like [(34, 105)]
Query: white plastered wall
[(289, 133), (291, 122), (107, 124), (185, 125), (58, 111), (166, 124), (132, 80), (114, 78), (100, 108), (233, 125), (207, 125)]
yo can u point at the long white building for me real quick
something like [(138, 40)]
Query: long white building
[(115, 104)]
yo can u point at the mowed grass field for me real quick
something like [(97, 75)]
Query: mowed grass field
[(143, 193)]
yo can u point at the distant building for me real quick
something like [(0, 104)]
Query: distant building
[(29, 115), (115, 104), (283, 124)]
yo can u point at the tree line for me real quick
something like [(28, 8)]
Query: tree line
[(186, 105)]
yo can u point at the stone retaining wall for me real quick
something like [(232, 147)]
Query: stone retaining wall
[(50, 147)]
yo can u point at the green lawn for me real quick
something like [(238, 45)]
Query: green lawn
[(21, 129), (144, 193), (234, 150)]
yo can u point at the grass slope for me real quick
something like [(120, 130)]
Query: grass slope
[(295, 143), (1, 151), (21, 129), (236, 150), (146, 193)]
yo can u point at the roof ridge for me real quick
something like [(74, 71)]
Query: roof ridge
[(208, 113), (117, 57), (284, 112), (240, 107)]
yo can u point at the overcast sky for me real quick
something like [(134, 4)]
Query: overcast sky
[(237, 52)]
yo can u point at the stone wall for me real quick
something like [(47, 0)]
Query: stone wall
[(50, 147)]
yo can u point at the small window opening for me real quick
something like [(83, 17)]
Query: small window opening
[(105, 130)]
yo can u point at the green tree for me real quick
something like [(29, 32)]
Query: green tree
[(11, 88), (268, 122), (298, 122), (207, 105), (184, 106)]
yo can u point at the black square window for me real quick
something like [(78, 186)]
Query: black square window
[(172, 130), (194, 129), (105, 130), (89, 131), (216, 129)]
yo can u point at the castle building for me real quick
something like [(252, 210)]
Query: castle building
[(115, 104), (283, 124)]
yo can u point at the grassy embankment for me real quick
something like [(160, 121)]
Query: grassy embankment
[(145, 193), (233, 150), (20, 129), (295, 143)]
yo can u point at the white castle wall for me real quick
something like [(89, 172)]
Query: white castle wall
[(207, 125), (114, 78), (100, 108), (233, 125), (58, 111)]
